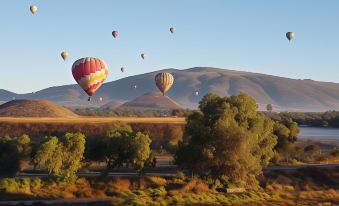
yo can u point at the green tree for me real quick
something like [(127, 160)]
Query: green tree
[(228, 140), (121, 146), (312, 150), (141, 150), (9, 158), (62, 156), (24, 148), (269, 107), (15, 154)]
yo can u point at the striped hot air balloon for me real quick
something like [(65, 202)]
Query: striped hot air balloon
[(164, 82), (89, 73)]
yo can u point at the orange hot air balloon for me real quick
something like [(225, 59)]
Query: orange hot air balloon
[(89, 73), (164, 82), (115, 34)]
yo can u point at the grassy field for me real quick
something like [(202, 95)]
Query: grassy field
[(171, 120)]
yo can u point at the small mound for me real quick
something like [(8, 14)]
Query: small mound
[(152, 101), (34, 108), (112, 104)]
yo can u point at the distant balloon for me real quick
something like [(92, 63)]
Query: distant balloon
[(196, 93), (172, 29), (135, 86), (89, 73), (33, 9), (290, 35), (64, 55), (164, 82), (101, 99), (143, 56), (115, 34), (122, 69)]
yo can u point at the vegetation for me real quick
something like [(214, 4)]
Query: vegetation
[(269, 107), (314, 119), (107, 112), (62, 156), (120, 146), (225, 144), (227, 140), (308, 186), (14, 154)]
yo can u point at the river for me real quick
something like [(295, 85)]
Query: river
[(328, 136)]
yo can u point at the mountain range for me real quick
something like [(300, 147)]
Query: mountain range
[(284, 94)]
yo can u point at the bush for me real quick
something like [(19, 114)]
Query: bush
[(335, 153), (157, 181), (15, 184)]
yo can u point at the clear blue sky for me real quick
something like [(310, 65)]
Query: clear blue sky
[(239, 34)]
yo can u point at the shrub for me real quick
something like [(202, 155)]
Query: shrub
[(181, 175), (157, 181)]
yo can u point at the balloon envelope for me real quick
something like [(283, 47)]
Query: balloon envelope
[(290, 35), (89, 73), (164, 82), (33, 9), (64, 55), (115, 34), (172, 29)]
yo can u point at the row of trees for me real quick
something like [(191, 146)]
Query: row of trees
[(314, 119), (64, 156), (107, 112)]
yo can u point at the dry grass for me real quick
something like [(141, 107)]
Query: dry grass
[(93, 120), (157, 181), (196, 186)]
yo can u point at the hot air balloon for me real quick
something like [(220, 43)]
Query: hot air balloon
[(122, 69), (290, 35), (164, 82), (135, 86), (143, 56), (101, 99), (196, 93), (64, 55), (33, 9), (115, 34), (172, 29), (89, 73)]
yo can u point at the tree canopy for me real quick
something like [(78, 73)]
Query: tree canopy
[(227, 139), (62, 156)]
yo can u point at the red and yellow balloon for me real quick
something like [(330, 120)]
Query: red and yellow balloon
[(90, 73), (164, 82)]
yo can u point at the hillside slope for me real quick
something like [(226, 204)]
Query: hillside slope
[(34, 108), (282, 93), (151, 101)]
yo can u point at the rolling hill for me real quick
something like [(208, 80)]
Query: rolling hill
[(151, 101), (112, 104), (34, 108), (282, 93)]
